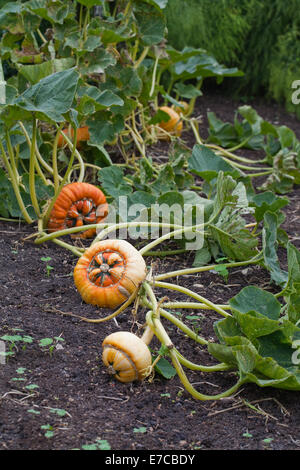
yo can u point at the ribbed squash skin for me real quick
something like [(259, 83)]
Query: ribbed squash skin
[(126, 355), (78, 204), (111, 287)]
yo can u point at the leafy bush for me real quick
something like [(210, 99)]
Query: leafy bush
[(258, 37), (285, 69), (216, 25)]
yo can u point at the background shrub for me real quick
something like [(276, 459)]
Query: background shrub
[(260, 37)]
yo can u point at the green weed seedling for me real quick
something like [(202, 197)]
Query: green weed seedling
[(48, 430), (48, 266), (49, 344), (100, 444), (13, 342)]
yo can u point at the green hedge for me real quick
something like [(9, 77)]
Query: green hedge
[(261, 37)]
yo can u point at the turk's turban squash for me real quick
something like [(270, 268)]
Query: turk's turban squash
[(78, 204), (108, 272)]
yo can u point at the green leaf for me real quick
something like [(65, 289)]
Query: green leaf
[(90, 3), (253, 298), (270, 244), (49, 99), (187, 91), (141, 429), (151, 24), (206, 164), (45, 342), (112, 181), (34, 73), (236, 242), (164, 368), (267, 201)]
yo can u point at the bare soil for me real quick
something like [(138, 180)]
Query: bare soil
[(156, 415)]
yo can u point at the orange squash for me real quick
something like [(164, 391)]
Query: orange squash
[(82, 136), (78, 204), (126, 356), (174, 124), (108, 272), (181, 110)]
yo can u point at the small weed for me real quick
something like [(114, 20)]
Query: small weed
[(142, 430), (100, 444), (13, 342), (48, 430), (50, 344), (48, 266)]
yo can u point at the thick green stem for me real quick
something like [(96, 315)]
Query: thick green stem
[(200, 269), (37, 165), (54, 160), (191, 365), (167, 236), (15, 185), (228, 153), (32, 165), (190, 333), (184, 290), (122, 225), (62, 233), (158, 329), (244, 167), (11, 156), (141, 58), (193, 305), (2, 86), (189, 388), (62, 183), (154, 76), (78, 156)]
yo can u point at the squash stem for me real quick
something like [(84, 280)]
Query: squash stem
[(15, 185), (153, 83), (193, 305), (37, 165), (62, 183), (11, 156), (191, 365), (78, 156), (169, 235), (184, 290), (190, 333), (199, 269), (141, 58), (156, 325), (189, 387), (54, 160)]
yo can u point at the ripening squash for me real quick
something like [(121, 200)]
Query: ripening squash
[(174, 125), (108, 272), (82, 136), (126, 356), (78, 204), (183, 109)]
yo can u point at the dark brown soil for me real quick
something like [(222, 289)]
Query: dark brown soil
[(157, 415)]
